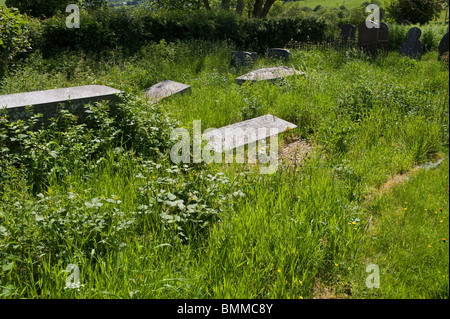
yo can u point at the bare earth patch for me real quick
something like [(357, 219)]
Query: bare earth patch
[(294, 153)]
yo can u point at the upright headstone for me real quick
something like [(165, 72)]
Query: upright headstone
[(267, 74), (165, 89), (444, 44), (412, 47), (243, 59), (372, 40), (383, 37), (49, 102), (348, 32), (277, 54)]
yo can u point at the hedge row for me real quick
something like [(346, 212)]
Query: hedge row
[(130, 28)]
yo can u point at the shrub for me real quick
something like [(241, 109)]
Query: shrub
[(14, 37), (65, 146), (39, 8), (415, 11), (130, 28)]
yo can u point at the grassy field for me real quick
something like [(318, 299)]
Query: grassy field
[(108, 199), (349, 4)]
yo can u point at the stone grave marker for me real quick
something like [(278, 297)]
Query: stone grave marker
[(278, 54), (267, 74), (412, 47), (48, 102), (348, 32), (165, 89), (444, 44), (372, 40), (246, 132), (241, 59)]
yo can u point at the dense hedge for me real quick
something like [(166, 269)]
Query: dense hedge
[(130, 28)]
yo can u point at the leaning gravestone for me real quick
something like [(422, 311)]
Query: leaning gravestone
[(347, 32), (444, 44), (246, 132), (48, 102), (277, 54), (267, 74), (373, 40), (412, 47), (165, 89), (243, 59)]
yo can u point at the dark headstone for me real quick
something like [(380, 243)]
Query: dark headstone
[(347, 32), (277, 54), (412, 47), (243, 59), (372, 40), (444, 44)]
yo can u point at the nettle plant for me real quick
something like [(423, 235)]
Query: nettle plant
[(183, 201), (66, 146)]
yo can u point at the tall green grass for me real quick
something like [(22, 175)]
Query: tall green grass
[(150, 229)]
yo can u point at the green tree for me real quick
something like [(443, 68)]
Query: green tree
[(256, 8), (415, 11), (48, 8)]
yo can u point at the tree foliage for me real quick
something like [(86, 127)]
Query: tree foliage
[(13, 35), (255, 8), (415, 11), (47, 8)]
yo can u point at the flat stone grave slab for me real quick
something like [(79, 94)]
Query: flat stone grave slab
[(246, 132), (48, 102), (267, 74), (165, 89)]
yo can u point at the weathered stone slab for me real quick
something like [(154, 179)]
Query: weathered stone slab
[(412, 47), (165, 89), (246, 132), (48, 102), (241, 59), (267, 74), (278, 54)]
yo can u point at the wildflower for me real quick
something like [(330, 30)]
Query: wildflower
[(336, 265), (441, 221), (429, 246), (406, 202), (300, 297), (300, 282), (405, 208), (426, 209), (354, 223), (279, 270)]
